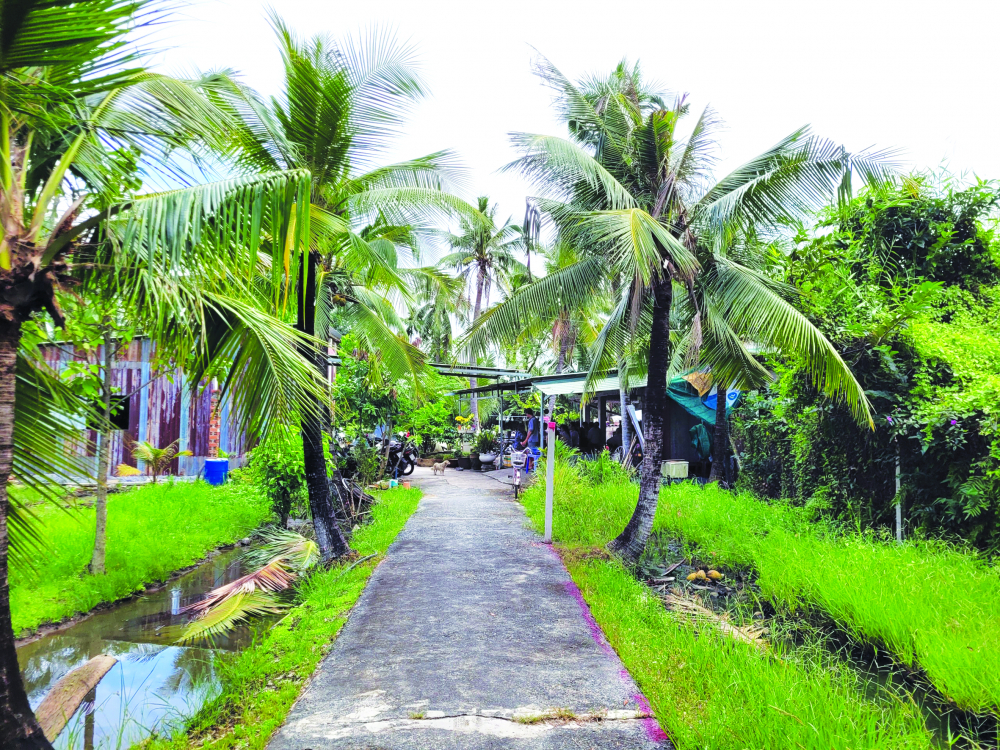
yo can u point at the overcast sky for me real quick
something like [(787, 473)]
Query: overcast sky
[(916, 75)]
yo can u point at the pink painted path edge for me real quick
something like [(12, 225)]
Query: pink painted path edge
[(653, 729)]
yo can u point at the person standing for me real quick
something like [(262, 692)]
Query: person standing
[(532, 438)]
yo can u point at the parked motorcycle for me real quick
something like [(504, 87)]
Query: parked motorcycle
[(403, 456)]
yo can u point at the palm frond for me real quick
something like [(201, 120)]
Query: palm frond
[(638, 244), (295, 551), (272, 577), (532, 308), (563, 169), (757, 313), (45, 411), (227, 614)]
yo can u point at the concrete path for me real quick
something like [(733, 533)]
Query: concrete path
[(469, 624)]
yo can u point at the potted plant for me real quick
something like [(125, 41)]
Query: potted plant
[(463, 462), (486, 443)]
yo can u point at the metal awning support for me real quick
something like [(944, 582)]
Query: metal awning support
[(636, 429)]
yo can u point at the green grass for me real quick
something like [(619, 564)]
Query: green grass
[(931, 605), (708, 691), (153, 530), (260, 684)]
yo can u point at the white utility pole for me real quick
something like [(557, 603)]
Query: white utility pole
[(550, 470), (899, 501)]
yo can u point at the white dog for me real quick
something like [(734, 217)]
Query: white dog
[(439, 468)]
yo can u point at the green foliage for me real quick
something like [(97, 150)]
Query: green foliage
[(927, 231), (278, 469), (901, 597), (710, 691), (367, 462), (430, 423), (152, 531), (603, 470), (486, 441), (363, 394), (900, 281), (157, 459), (260, 683)]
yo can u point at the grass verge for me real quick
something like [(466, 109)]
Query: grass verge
[(153, 530), (708, 691), (260, 683)]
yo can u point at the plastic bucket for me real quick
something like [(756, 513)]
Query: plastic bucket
[(216, 470)]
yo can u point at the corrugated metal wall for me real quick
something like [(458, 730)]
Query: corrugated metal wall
[(162, 408)]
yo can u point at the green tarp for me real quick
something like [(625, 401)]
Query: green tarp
[(702, 407)]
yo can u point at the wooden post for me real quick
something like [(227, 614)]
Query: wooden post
[(550, 470)]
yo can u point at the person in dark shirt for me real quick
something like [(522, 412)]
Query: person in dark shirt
[(532, 439), (595, 437)]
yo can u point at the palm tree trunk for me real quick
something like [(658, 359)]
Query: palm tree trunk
[(632, 541), (18, 726), (103, 465), (473, 382), (329, 538), (565, 339), (720, 440)]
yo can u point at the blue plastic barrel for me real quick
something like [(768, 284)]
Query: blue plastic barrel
[(216, 470)]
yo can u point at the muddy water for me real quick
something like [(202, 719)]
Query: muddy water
[(155, 685)]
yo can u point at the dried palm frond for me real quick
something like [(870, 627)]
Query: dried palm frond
[(297, 552), (271, 578), (695, 611)]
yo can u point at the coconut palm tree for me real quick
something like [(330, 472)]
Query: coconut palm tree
[(630, 188), (437, 298), (483, 255), (77, 109), (342, 102)]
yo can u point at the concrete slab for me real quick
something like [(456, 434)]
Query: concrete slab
[(468, 632)]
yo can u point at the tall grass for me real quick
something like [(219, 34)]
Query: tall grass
[(708, 691), (260, 684), (931, 605), (153, 530), (711, 692)]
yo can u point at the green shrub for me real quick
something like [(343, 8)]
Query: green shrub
[(278, 469)]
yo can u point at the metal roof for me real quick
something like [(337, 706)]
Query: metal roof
[(557, 385), (459, 371), (512, 385), (575, 382)]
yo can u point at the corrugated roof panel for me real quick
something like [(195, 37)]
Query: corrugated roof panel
[(577, 384)]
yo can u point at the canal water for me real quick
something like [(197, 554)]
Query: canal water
[(155, 685)]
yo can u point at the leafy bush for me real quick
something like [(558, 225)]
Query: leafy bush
[(278, 469), (900, 282), (604, 469), (432, 423), (487, 441)]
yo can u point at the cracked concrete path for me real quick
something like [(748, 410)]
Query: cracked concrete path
[(467, 626)]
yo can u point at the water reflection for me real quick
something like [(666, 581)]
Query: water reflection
[(155, 685)]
